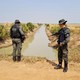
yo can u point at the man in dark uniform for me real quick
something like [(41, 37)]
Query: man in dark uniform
[(18, 37), (63, 39)]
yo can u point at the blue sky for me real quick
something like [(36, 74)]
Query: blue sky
[(43, 11)]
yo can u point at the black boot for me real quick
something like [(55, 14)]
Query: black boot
[(65, 67), (14, 58), (59, 66), (18, 58)]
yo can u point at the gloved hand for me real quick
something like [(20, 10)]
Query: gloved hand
[(23, 38), (55, 46)]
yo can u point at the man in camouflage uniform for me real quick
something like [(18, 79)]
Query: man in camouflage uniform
[(18, 37), (63, 39)]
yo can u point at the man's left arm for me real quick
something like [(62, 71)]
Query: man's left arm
[(22, 34), (21, 31)]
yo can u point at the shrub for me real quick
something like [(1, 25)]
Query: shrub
[(3, 33), (5, 29), (54, 29), (30, 26), (25, 28)]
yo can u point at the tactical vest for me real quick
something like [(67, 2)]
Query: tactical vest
[(15, 32), (61, 37)]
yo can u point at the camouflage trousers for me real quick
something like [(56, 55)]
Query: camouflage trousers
[(17, 46), (63, 55)]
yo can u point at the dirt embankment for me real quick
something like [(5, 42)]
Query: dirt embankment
[(37, 69)]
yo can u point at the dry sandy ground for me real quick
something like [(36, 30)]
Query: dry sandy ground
[(37, 71)]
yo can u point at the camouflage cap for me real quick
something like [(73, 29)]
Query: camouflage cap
[(62, 21), (17, 21)]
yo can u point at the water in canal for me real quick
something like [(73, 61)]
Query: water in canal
[(36, 45), (39, 46)]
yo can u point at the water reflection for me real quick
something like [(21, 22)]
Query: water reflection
[(39, 46)]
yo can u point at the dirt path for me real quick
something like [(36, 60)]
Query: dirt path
[(36, 71)]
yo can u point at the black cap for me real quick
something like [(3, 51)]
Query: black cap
[(17, 21), (62, 21)]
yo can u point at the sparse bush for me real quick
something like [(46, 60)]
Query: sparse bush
[(30, 26), (25, 28), (74, 54), (39, 24), (5, 29), (3, 33), (54, 29), (47, 25)]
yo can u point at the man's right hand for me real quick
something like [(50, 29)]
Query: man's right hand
[(55, 46), (23, 38), (51, 38)]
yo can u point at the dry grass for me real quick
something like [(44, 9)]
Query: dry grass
[(26, 59), (74, 45)]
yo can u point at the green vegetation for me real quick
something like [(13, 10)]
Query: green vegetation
[(3, 33), (25, 28), (5, 29), (30, 26), (53, 28)]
